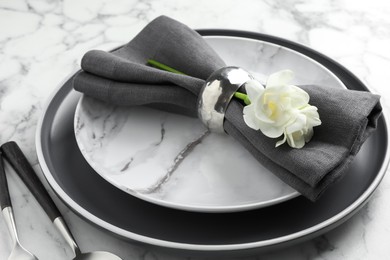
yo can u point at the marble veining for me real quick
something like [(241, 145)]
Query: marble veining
[(179, 158), (42, 41)]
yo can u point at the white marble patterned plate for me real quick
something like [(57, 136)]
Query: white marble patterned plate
[(168, 159)]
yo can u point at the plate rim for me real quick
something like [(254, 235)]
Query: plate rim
[(336, 219), (193, 207)]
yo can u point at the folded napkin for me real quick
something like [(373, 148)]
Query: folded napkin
[(122, 78)]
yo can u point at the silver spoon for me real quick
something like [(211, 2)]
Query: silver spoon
[(22, 167), (18, 252)]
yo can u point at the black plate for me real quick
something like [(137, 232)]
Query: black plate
[(84, 191)]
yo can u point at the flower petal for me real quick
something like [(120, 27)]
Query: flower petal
[(313, 118), (280, 78), (250, 117), (298, 124), (309, 135), (296, 140), (260, 114), (299, 97), (270, 130), (280, 142), (253, 89)]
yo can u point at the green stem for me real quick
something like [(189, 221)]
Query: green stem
[(161, 66), (243, 97)]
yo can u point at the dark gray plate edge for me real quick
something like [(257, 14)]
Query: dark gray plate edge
[(290, 239)]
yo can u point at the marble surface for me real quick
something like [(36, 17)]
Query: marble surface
[(146, 153), (42, 41)]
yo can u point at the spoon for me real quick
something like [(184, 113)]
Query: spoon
[(18, 252), (22, 167)]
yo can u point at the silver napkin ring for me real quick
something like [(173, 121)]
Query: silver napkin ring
[(216, 94)]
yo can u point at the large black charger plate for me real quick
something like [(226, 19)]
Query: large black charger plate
[(90, 196)]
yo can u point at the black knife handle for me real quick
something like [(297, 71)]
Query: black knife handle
[(22, 167), (5, 200)]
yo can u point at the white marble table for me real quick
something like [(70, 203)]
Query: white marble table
[(42, 41)]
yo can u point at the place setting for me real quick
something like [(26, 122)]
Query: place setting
[(212, 142)]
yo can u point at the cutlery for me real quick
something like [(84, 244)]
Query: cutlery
[(18, 252), (14, 155)]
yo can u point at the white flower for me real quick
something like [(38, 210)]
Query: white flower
[(279, 109)]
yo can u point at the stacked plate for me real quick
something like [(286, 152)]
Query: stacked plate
[(160, 179)]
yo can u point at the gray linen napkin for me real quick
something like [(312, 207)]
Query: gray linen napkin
[(123, 78)]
